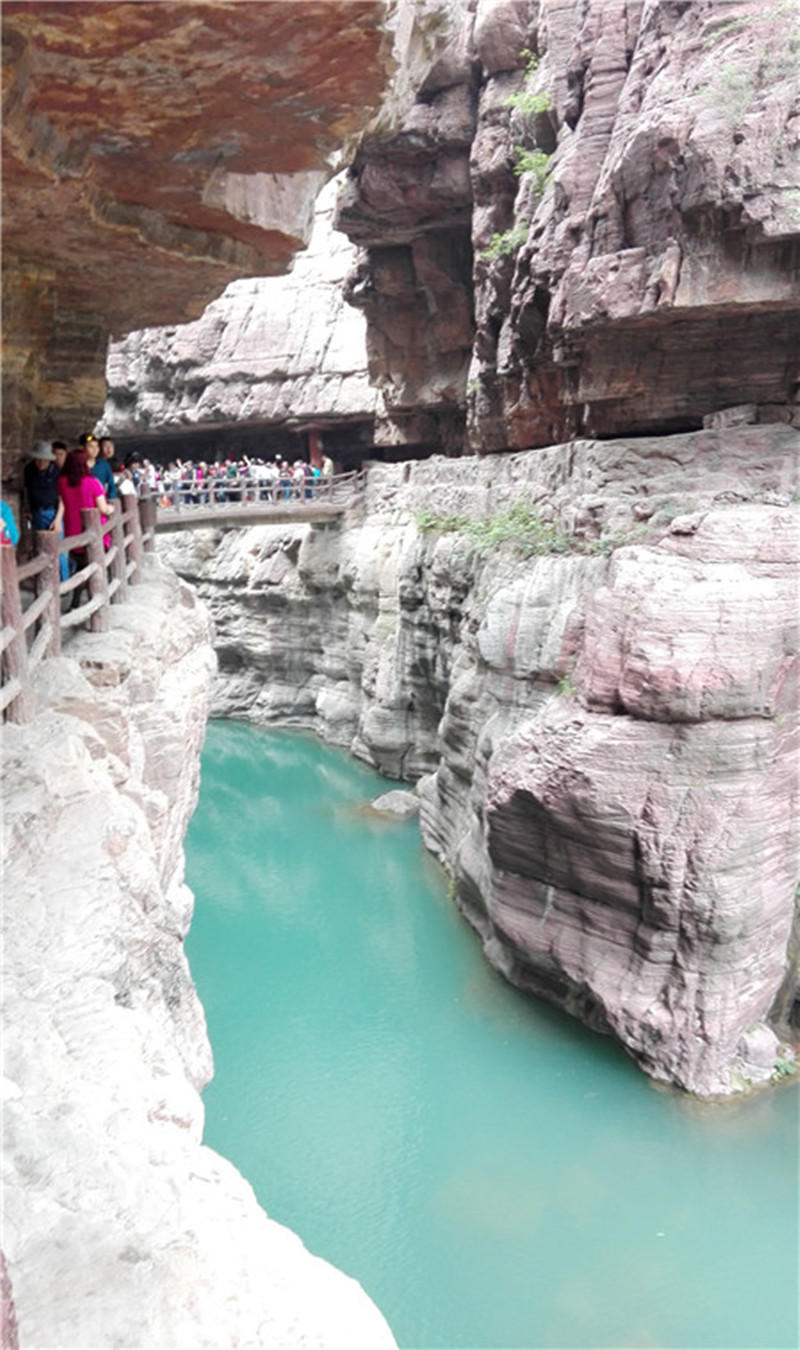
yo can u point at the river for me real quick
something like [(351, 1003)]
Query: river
[(495, 1176)]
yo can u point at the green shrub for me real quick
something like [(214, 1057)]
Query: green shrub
[(503, 245), (525, 101), (784, 1068), (536, 162), (520, 528)]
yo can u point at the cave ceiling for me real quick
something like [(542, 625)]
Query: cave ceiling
[(153, 152)]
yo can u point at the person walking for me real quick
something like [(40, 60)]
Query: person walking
[(40, 477), (79, 491)]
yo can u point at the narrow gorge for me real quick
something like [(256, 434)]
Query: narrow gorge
[(546, 294), (602, 733)]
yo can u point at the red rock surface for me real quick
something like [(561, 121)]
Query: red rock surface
[(144, 153), (650, 277)]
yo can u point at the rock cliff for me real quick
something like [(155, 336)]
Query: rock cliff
[(119, 1226), (603, 732), (151, 154), (572, 220), (611, 190), (276, 350)]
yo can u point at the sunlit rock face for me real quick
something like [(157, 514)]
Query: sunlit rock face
[(151, 154), (604, 737), (119, 1226)]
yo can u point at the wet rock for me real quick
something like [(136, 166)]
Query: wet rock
[(399, 804)]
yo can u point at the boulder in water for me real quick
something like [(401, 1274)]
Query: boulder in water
[(397, 803)]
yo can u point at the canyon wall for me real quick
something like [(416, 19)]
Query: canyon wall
[(572, 219), (119, 1226), (603, 732), (587, 222), (151, 154), (286, 350)]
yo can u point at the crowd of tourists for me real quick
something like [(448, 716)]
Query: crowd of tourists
[(60, 483), (186, 483)]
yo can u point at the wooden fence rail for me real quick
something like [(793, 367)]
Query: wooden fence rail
[(32, 621), (32, 594)]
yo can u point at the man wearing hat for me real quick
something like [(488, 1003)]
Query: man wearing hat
[(41, 489)]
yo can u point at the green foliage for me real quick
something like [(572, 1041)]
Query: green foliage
[(428, 522), (735, 86), (520, 528), (528, 103), (608, 542), (784, 1067), (725, 30), (503, 245), (733, 90), (779, 9), (523, 531), (535, 162), (524, 99)]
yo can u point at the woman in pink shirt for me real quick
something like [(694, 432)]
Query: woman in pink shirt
[(79, 491)]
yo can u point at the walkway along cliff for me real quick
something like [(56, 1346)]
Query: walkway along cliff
[(603, 732)]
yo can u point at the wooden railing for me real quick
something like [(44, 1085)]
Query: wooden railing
[(32, 594)]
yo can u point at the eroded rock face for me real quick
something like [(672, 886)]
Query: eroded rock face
[(604, 737), (119, 1226), (641, 271), (278, 349), (572, 220), (658, 280), (151, 154)]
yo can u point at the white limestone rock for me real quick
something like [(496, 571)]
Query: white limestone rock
[(120, 1227), (282, 348), (606, 735), (396, 804)]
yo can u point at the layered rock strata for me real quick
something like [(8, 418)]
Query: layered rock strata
[(572, 219), (604, 733), (119, 1226), (284, 350), (651, 276), (151, 154), (628, 174)]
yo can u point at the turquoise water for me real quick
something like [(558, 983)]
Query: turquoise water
[(492, 1174)]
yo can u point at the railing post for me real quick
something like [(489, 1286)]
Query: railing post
[(148, 516), (15, 655), (118, 568), (98, 581), (132, 519), (48, 542)]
